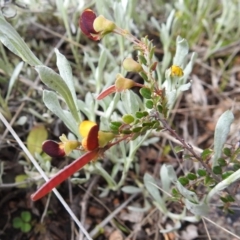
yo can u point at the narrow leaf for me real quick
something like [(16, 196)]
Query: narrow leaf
[(220, 136), (50, 99), (149, 184), (181, 52), (65, 71), (13, 78), (12, 40), (131, 189), (55, 82)]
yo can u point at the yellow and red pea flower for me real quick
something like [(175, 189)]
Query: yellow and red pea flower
[(60, 149), (86, 24), (93, 142), (95, 27)]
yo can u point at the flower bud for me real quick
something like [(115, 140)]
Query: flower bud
[(122, 83), (176, 71), (86, 24), (131, 65), (53, 149), (104, 138), (103, 25)]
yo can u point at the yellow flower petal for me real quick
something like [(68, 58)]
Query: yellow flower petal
[(85, 127), (176, 71)]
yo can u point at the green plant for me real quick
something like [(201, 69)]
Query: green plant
[(127, 120), (23, 222)]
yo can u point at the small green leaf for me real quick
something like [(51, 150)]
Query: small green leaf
[(160, 108), (135, 136), (142, 59), (146, 93), (222, 162), (128, 119), (236, 166), (115, 125), (144, 76), (178, 149), (149, 104), (224, 199), (21, 178), (191, 176), (175, 192), (136, 129), (148, 124), (127, 131), (209, 181), (227, 152), (217, 170), (151, 52), (201, 172), (139, 114), (26, 227), (17, 222), (35, 138), (206, 154), (183, 180), (26, 216), (187, 157), (230, 211), (227, 174), (230, 198), (145, 113)]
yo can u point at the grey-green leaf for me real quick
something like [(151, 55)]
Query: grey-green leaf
[(149, 183), (181, 52), (13, 78), (50, 99), (65, 71), (131, 189), (199, 209), (55, 82), (12, 40), (221, 132)]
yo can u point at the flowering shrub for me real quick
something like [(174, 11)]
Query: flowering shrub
[(140, 116)]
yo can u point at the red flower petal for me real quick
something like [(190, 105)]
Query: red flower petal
[(64, 174), (86, 24), (92, 138), (53, 148)]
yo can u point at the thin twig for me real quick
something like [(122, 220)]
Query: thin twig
[(188, 147), (205, 225), (112, 215), (224, 229), (46, 207), (84, 203)]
